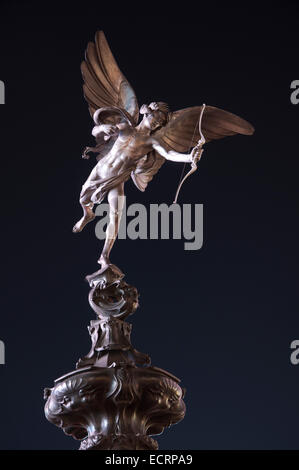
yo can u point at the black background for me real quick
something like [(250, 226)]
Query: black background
[(221, 318)]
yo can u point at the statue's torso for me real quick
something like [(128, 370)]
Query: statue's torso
[(130, 146)]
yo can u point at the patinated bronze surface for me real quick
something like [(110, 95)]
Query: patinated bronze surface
[(128, 148), (115, 408), (115, 399)]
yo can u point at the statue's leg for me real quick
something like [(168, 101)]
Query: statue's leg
[(116, 203), (88, 214)]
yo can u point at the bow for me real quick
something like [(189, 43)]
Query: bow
[(195, 155)]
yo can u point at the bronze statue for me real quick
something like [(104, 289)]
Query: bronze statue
[(115, 399), (126, 148)]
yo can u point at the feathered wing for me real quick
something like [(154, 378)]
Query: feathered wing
[(104, 83), (146, 168), (182, 131)]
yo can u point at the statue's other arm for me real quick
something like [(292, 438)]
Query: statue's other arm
[(107, 129), (102, 133)]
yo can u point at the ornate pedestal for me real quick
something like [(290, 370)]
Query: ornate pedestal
[(114, 399)]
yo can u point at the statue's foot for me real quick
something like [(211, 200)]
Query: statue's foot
[(105, 277), (82, 222)]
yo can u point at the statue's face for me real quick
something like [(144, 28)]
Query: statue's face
[(154, 119)]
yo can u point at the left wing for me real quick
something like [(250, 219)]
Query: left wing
[(182, 131)]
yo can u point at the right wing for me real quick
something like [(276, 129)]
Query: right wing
[(104, 83)]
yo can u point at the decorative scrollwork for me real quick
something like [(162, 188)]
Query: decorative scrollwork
[(115, 408), (117, 300), (110, 402)]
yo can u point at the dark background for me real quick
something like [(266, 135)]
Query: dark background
[(221, 318)]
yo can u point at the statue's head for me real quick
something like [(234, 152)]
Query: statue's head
[(155, 115)]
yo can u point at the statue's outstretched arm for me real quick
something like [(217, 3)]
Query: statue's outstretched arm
[(172, 154)]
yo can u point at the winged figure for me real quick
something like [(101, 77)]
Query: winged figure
[(127, 147)]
